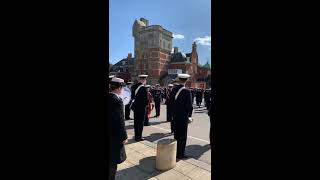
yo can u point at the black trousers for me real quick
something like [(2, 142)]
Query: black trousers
[(180, 135), (172, 125), (169, 114), (146, 120), (127, 111), (112, 171), (157, 106), (139, 117)]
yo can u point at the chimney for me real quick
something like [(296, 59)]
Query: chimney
[(129, 56), (146, 22), (175, 50)]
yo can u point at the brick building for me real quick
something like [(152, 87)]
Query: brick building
[(123, 68), (152, 56)]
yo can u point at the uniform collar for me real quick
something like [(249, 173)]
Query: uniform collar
[(115, 94)]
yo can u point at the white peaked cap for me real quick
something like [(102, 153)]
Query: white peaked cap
[(183, 76), (170, 85), (111, 76), (143, 76), (157, 85), (118, 80), (147, 86)]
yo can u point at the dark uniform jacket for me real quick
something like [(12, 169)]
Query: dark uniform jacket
[(141, 99), (157, 95), (182, 106), (117, 130)]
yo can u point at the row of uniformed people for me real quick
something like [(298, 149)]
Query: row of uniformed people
[(178, 100)]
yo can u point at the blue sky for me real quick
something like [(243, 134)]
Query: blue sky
[(188, 20)]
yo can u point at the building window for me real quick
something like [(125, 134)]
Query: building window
[(169, 46)]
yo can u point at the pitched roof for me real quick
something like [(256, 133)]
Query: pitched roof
[(125, 59), (179, 57)]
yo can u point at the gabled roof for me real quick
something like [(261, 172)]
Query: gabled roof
[(178, 57), (125, 59)]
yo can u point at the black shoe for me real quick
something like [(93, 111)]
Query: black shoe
[(147, 125), (182, 157), (141, 139)]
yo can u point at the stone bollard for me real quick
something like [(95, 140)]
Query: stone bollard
[(166, 154)]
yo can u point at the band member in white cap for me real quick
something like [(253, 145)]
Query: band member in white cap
[(139, 106), (157, 99), (118, 135), (127, 107), (180, 98)]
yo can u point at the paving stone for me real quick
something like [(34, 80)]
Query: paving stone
[(186, 178), (199, 173), (148, 165), (129, 151), (184, 167), (135, 157), (200, 164), (170, 174), (131, 173), (149, 152), (137, 146), (124, 165)]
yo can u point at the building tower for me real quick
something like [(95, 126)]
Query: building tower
[(152, 48)]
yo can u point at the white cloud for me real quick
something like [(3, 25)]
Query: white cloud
[(205, 41), (178, 36), (172, 50)]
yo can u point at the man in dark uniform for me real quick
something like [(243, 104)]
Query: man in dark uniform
[(118, 135), (199, 97), (139, 105), (127, 107), (192, 94), (207, 98), (169, 108), (157, 99), (181, 107)]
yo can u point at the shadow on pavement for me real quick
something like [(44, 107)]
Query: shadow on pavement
[(146, 169), (156, 136), (196, 151), (131, 126), (155, 123)]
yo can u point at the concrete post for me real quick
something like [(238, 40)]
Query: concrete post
[(166, 154)]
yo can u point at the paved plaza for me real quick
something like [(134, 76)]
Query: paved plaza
[(140, 163)]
